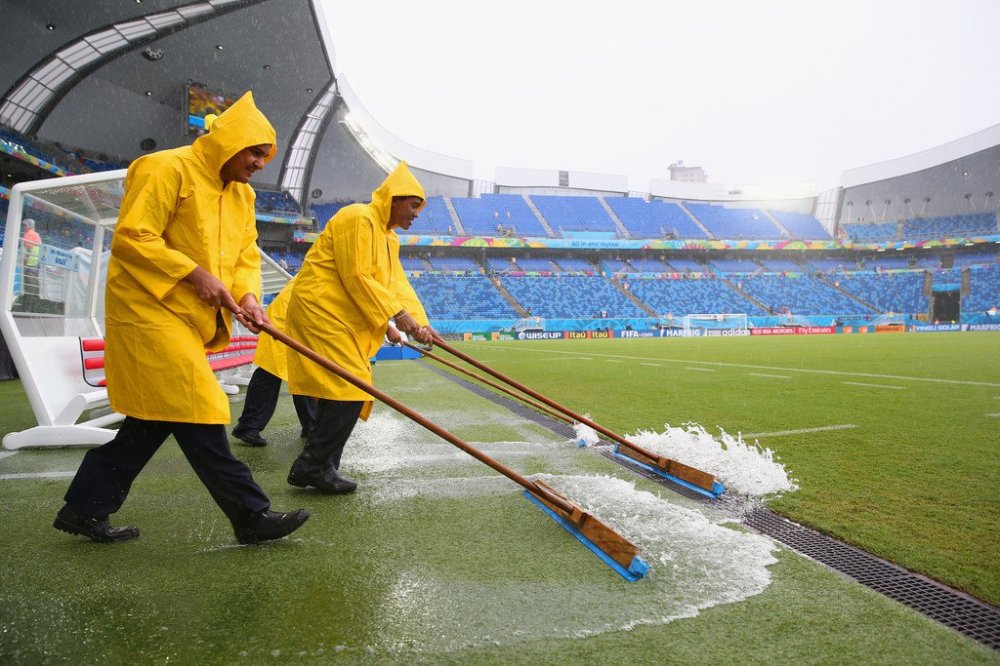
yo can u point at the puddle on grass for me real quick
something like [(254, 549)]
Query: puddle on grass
[(387, 443), (697, 559), (696, 563)]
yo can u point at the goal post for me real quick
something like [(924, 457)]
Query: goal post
[(716, 324)]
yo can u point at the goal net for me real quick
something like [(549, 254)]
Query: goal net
[(715, 324)]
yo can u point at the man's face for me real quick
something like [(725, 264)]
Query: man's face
[(404, 211), (245, 163)]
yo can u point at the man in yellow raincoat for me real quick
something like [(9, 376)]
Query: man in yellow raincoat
[(183, 256), (264, 388), (350, 286)]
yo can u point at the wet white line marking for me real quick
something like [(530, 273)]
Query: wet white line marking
[(840, 373), (801, 431), (611, 360), (995, 416), (653, 365), (761, 374), (701, 369), (563, 358), (37, 475), (7, 454), (897, 388)]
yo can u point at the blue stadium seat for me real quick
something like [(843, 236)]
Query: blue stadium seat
[(735, 223), (802, 226), (510, 212), (654, 219), (569, 214)]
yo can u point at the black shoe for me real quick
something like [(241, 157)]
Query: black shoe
[(70, 520), (268, 525), (328, 481), (304, 434), (249, 437)]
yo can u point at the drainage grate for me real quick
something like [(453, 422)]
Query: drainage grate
[(967, 615)]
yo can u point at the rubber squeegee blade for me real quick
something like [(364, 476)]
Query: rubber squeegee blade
[(636, 569), (714, 493)]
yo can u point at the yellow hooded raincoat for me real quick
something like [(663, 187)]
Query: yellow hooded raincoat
[(350, 284), (178, 214), (272, 355)]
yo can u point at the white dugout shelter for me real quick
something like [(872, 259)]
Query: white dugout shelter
[(46, 318)]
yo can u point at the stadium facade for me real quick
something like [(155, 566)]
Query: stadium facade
[(910, 243)]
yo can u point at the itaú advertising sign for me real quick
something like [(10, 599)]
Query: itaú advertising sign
[(793, 330)]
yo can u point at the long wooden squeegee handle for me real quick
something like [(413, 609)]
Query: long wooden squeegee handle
[(523, 481), (612, 548), (687, 473), (499, 387)]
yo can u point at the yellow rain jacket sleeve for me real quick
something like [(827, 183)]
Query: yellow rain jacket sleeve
[(350, 285), (177, 214)]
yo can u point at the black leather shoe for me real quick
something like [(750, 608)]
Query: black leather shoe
[(268, 525), (249, 437), (328, 481), (99, 529)]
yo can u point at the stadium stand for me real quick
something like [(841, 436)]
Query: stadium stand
[(461, 297), (803, 295), (951, 226), (682, 296), (801, 225), (650, 266), (497, 215), (898, 292), (532, 264), (454, 264), (984, 289), (570, 296), (435, 219), (271, 201), (616, 266), (654, 219), (975, 258), (574, 214), (324, 211), (735, 223), (574, 264), (414, 263), (689, 265), (724, 265), (871, 232), (831, 264), (781, 265)]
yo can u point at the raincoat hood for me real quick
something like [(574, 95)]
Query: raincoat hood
[(240, 126), (400, 183)]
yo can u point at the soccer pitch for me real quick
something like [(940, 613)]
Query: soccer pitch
[(437, 559)]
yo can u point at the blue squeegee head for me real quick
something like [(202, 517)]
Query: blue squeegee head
[(636, 569), (715, 492)]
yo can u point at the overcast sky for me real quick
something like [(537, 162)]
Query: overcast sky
[(753, 91)]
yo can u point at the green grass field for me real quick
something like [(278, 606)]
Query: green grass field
[(916, 481), (436, 559)]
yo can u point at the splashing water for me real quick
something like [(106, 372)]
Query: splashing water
[(585, 435), (744, 468)]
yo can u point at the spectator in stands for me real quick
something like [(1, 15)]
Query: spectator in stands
[(31, 255), (264, 388), (183, 256), (350, 285)]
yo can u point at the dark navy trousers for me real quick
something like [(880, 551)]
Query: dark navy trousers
[(262, 399), (106, 474)]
